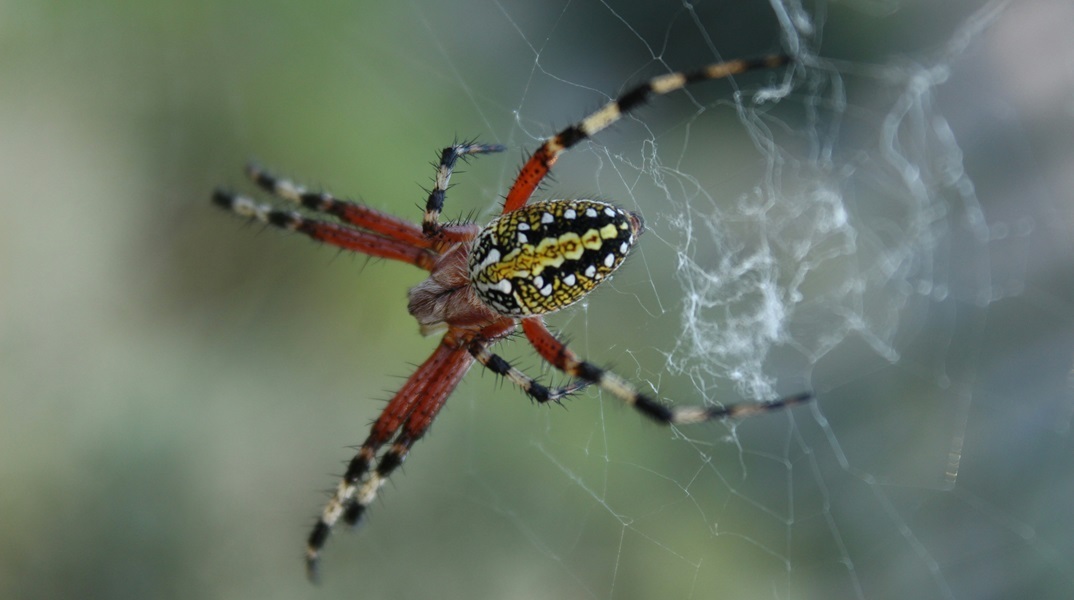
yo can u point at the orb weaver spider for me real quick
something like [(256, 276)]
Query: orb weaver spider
[(486, 282)]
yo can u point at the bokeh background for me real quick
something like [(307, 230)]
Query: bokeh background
[(177, 388)]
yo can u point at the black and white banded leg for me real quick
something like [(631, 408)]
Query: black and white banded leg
[(449, 156), (341, 236), (534, 389), (562, 358), (407, 417), (352, 213), (541, 161)]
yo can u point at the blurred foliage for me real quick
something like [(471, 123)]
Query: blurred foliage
[(175, 387)]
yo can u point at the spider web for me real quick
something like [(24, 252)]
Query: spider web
[(813, 230), (888, 224)]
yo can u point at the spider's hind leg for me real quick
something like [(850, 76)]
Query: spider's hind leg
[(334, 234), (410, 412), (367, 491), (562, 358), (352, 213)]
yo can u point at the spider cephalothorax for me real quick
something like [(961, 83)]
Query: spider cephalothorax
[(484, 284)]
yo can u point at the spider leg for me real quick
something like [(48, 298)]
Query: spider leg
[(412, 410), (333, 234), (538, 166), (533, 388), (561, 357), (449, 156), (348, 212)]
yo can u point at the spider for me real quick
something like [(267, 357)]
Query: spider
[(486, 282)]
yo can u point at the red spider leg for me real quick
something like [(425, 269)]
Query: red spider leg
[(340, 236), (532, 173), (538, 166), (368, 243), (349, 212), (412, 409), (459, 232), (561, 357)]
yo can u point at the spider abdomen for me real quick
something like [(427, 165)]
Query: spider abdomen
[(550, 254)]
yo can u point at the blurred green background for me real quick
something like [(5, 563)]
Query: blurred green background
[(177, 388)]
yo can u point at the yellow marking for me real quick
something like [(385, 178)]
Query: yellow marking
[(591, 239), (523, 272), (572, 245), (512, 264), (550, 252)]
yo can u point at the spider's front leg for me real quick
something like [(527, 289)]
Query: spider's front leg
[(540, 162), (449, 156), (562, 358)]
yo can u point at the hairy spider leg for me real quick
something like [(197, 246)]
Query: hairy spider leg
[(561, 357), (412, 410), (348, 212), (407, 417), (479, 348), (540, 163), (430, 222), (340, 236)]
